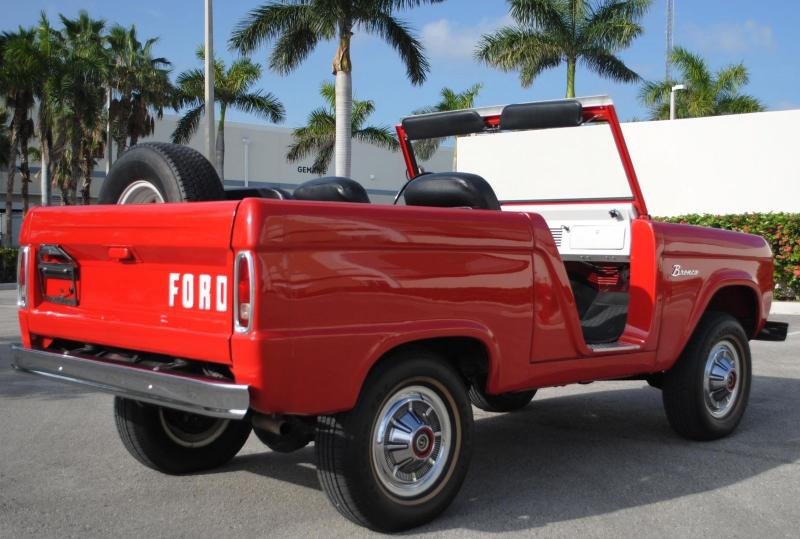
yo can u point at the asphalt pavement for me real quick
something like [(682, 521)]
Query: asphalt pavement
[(594, 461)]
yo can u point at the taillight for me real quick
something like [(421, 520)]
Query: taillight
[(243, 291), (22, 276)]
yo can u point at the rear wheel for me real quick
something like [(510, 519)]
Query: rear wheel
[(157, 172), (705, 394), (176, 442), (399, 457)]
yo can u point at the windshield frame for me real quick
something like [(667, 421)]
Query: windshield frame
[(593, 109)]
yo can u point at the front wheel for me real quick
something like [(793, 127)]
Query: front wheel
[(399, 457), (176, 442), (705, 393)]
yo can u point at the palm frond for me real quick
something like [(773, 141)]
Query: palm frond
[(292, 48), (615, 24), (511, 49), (545, 14), (381, 137), (602, 62), (187, 125), (398, 35), (271, 20), (265, 105), (739, 104)]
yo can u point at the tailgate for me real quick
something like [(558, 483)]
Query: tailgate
[(154, 278)]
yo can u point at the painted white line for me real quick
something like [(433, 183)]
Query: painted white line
[(793, 333)]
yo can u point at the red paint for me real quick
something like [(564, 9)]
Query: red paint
[(338, 286)]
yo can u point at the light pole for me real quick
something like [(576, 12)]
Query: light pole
[(211, 146), (674, 89), (246, 142)]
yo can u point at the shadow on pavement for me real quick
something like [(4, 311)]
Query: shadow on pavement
[(571, 457)]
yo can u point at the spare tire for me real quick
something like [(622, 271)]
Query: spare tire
[(155, 172)]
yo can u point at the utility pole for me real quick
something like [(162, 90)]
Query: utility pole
[(211, 146), (670, 24)]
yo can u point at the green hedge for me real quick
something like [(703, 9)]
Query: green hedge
[(781, 230), (8, 265)]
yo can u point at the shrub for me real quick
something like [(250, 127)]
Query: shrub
[(782, 232), (8, 265)]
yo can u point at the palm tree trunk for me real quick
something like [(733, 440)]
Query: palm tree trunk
[(86, 188), (25, 172), (75, 161), (571, 77), (342, 68), (122, 145), (12, 170), (220, 143)]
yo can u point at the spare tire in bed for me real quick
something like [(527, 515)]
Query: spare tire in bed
[(155, 172)]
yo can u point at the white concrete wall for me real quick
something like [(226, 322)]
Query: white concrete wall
[(723, 164)]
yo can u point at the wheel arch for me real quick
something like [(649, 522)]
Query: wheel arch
[(470, 355), (739, 301), (736, 295)]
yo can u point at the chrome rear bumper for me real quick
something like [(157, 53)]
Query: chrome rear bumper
[(181, 392)]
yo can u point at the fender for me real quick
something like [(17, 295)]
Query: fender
[(722, 278)]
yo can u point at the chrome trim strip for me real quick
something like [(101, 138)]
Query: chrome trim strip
[(181, 392)]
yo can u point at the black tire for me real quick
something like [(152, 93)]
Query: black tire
[(345, 466), (282, 444), (142, 429), (504, 402), (692, 411), (179, 173)]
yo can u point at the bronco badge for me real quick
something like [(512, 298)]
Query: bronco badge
[(678, 271)]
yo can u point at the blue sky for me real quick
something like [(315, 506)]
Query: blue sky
[(762, 34)]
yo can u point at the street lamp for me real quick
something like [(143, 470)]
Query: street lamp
[(676, 88), (246, 142)]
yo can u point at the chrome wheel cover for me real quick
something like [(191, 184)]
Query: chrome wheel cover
[(722, 380), (411, 441), (141, 192), (191, 430)]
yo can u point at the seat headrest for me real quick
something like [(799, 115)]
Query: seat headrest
[(451, 190), (332, 189)]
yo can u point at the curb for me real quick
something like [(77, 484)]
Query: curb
[(8, 286), (785, 307)]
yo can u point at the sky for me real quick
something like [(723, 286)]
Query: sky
[(761, 34)]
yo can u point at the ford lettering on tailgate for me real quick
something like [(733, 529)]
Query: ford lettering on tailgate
[(190, 291)]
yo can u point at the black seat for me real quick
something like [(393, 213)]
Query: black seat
[(451, 190), (332, 189), (257, 192)]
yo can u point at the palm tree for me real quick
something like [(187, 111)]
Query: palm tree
[(318, 136), (140, 84), (82, 106), (231, 89), (17, 85), (549, 32), (297, 26), (706, 94), (451, 100), (49, 93)]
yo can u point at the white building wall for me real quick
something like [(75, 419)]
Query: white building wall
[(722, 164)]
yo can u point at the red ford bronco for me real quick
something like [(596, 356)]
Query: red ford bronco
[(372, 329)]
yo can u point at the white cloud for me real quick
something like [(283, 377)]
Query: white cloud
[(732, 37), (445, 39)]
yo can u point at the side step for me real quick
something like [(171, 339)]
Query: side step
[(614, 347)]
